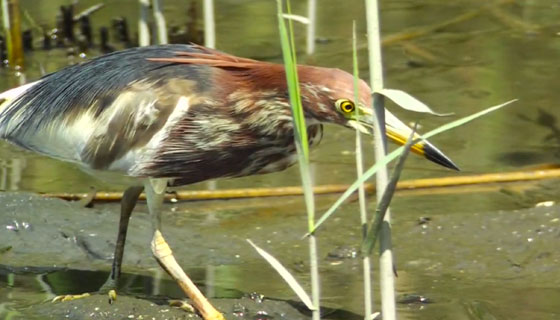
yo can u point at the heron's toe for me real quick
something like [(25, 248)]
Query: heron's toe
[(183, 305), (69, 297)]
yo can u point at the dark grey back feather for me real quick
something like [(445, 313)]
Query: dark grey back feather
[(76, 88)]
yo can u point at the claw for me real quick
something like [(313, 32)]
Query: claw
[(69, 297), (185, 306)]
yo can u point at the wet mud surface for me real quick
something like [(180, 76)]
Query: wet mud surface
[(126, 307), (448, 264), (68, 250)]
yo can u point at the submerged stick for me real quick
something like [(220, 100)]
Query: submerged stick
[(416, 184), (88, 11), (512, 21), (417, 32), (422, 31), (29, 19)]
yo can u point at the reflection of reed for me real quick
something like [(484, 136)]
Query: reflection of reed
[(10, 173)]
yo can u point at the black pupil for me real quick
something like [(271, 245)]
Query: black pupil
[(347, 106)]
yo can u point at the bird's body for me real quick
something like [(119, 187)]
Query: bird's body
[(180, 114), (143, 118)]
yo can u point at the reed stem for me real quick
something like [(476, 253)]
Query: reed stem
[(143, 29), (312, 16), (387, 282), (160, 22), (209, 24), (12, 26)]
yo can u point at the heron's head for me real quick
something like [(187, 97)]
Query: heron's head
[(334, 96)]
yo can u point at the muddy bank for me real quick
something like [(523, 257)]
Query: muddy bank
[(454, 264), (96, 307)]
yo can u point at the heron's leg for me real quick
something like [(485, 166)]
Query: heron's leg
[(155, 192), (128, 202)]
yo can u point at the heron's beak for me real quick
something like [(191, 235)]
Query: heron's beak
[(399, 133)]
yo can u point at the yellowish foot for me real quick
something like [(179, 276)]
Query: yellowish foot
[(185, 306), (70, 297), (112, 296), (163, 254)]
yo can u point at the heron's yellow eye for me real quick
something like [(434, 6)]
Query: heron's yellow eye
[(345, 106)]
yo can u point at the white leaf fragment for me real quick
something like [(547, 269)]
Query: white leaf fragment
[(286, 275), (408, 102), (300, 19)]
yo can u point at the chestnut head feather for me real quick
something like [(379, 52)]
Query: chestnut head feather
[(327, 93)]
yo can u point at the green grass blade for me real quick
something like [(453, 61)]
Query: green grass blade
[(366, 260), (375, 227), (301, 141), (393, 155), (290, 63), (359, 153), (300, 128)]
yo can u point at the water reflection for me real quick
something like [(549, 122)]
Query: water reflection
[(11, 173), (483, 58)]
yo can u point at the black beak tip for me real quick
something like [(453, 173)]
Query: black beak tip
[(435, 155)]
